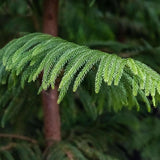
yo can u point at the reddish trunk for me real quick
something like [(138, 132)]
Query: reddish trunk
[(50, 18), (51, 116), (50, 106)]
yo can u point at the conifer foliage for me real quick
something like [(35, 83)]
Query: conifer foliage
[(23, 59), (93, 85)]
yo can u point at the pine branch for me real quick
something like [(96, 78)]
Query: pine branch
[(29, 55)]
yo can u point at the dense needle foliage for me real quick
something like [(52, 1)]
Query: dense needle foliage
[(105, 67)]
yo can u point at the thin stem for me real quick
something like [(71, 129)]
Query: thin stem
[(15, 136), (8, 147)]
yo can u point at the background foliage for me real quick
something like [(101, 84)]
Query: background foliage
[(129, 28)]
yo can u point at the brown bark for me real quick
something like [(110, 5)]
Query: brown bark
[(49, 97), (51, 116), (50, 19)]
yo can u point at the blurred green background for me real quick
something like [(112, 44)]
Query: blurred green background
[(129, 28)]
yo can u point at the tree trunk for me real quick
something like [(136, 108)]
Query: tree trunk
[(50, 19), (51, 108)]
